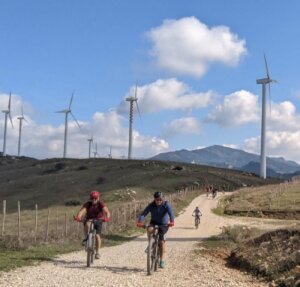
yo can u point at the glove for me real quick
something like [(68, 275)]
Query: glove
[(77, 218), (140, 224), (106, 219), (171, 224)]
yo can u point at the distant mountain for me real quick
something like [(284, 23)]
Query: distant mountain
[(220, 156)]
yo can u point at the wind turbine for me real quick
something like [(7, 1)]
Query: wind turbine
[(67, 112), (21, 118), (95, 152), (131, 101), (264, 82), (110, 154), (90, 140), (7, 114)]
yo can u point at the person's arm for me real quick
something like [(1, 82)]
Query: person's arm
[(81, 213), (144, 213), (106, 213), (170, 212)]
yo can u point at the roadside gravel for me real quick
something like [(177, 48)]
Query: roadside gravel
[(125, 265)]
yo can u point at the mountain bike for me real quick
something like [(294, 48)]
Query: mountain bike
[(89, 242), (197, 220), (153, 252)]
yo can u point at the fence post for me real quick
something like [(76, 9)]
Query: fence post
[(56, 227), (36, 222), (47, 229), (66, 230), (19, 220), (3, 219)]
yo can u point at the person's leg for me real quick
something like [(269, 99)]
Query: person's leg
[(98, 228)]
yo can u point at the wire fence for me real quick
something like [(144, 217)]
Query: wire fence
[(56, 224)]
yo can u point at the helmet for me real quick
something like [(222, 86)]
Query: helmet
[(158, 194), (94, 194)]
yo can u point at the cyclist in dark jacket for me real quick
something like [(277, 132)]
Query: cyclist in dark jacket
[(161, 213)]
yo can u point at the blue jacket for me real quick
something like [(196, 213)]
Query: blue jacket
[(159, 213)]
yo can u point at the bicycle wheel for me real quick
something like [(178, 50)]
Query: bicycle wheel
[(90, 250), (150, 265), (156, 255)]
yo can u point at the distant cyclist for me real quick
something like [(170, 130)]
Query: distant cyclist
[(161, 213), (214, 192), (197, 213), (94, 209)]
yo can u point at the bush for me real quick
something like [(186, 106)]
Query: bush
[(72, 203)]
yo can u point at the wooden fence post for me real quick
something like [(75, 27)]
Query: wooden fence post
[(56, 227), (66, 230), (36, 222), (19, 220), (47, 228), (3, 218)]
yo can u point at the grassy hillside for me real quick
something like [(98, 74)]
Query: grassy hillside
[(53, 182)]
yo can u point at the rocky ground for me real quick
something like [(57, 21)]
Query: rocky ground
[(125, 265)]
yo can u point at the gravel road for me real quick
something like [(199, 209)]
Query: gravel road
[(125, 265)]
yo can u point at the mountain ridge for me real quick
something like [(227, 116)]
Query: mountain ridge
[(226, 157)]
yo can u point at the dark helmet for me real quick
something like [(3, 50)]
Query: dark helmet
[(94, 194), (158, 194)]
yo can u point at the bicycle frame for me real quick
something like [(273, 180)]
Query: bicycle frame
[(153, 253)]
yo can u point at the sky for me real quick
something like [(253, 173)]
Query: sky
[(195, 64)]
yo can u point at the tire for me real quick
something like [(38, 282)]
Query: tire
[(156, 256), (90, 250), (150, 265)]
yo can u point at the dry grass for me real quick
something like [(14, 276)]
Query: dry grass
[(279, 199)]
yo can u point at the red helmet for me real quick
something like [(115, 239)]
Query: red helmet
[(94, 194)]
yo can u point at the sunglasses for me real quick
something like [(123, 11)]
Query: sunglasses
[(158, 199)]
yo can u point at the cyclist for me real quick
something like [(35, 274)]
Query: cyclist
[(160, 210), (214, 192), (94, 209), (197, 213)]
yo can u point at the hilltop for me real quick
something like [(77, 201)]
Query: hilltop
[(225, 157), (56, 181)]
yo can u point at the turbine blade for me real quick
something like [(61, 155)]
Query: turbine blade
[(267, 69), (135, 93), (75, 120), (9, 102), (10, 119), (138, 109), (71, 100), (270, 99)]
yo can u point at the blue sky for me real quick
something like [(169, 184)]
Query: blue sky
[(195, 64)]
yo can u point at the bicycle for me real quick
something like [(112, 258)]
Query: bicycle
[(153, 252), (90, 242), (197, 220)]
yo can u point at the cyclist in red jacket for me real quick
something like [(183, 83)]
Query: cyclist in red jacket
[(94, 209)]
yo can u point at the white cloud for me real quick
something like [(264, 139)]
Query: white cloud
[(231, 146), (46, 141), (283, 117), (168, 94), (188, 125), (237, 109), (282, 143), (188, 46)]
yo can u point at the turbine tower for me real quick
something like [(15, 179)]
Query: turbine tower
[(264, 82), (67, 112), (110, 154), (131, 101), (7, 114), (90, 140), (95, 152), (21, 118)]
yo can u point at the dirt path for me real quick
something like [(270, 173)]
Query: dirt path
[(125, 265)]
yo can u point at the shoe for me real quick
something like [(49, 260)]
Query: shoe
[(146, 250), (162, 264), (97, 256)]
